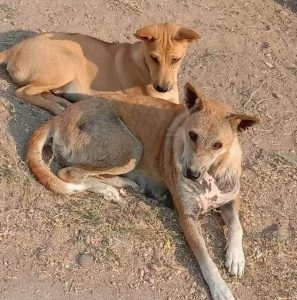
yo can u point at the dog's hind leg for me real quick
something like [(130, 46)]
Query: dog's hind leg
[(119, 182), (52, 97), (32, 94), (235, 260), (102, 185)]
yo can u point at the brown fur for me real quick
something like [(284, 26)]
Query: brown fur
[(72, 65), (152, 138)]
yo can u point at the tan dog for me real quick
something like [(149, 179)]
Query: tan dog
[(73, 64), (156, 144)]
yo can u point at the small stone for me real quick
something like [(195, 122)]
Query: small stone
[(88, 240), (259, 254), (141, 274), (268, 64), (151, 281), (85, 260), (123, 192), (155, 267), (265, 45), (276, 95), (192, 291)]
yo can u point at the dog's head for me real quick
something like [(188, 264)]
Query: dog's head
[(165, 45), (208, 132)]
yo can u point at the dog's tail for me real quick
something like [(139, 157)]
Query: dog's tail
[(4, 56), (39, 168)]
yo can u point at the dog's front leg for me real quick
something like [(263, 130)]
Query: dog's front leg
[(217, 286), (234, 252)]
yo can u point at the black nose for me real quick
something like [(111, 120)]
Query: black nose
[(160, 88), (193, 175)]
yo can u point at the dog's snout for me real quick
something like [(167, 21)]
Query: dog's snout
[(193, 175), (161, 88)]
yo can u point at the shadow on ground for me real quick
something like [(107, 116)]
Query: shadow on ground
[(290, 4), (25, 117)]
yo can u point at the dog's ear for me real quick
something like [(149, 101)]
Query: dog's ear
[(193, 99), (242, 121), (147, 33), (186, 34)]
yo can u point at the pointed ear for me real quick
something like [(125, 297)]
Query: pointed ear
[(186, 34), (193, 99), (147, 33), (243, 121)]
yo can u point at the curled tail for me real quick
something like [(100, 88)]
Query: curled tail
[(39, 167)]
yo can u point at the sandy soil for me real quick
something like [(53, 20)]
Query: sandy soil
[(54, 247)]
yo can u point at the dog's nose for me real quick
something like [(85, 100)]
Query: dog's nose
[(193, 175), (161, 88)]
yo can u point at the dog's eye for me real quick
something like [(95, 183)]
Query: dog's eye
[(217, 145), (155, 59), (193, 136), (175, 60)]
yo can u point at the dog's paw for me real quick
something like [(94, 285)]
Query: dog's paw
[(220, 291), (111, 194), (58, 110), (235, 260)]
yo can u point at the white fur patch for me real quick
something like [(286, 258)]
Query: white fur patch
[(72, 187), (213, 197)]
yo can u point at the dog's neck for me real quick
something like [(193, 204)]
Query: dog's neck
[(137, 55), (171, 148)]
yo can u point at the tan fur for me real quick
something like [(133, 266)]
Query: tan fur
[(96, 136), (73, 64)]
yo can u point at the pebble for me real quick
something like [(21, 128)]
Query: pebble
[(123, 192), (259, 254), (88, 240), (85, 260), (268, 64), (276, 95)]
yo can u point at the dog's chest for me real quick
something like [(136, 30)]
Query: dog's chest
[(199, 197)]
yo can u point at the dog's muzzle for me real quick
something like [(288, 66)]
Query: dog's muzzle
[(161, 88), (192, 175)]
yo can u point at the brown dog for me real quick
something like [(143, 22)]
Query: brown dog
[(73, 64), (154, 143)]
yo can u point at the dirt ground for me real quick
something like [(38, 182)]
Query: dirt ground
[(55, 247)]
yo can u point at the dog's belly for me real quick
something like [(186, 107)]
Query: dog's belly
[(71, 91), (152, 189)]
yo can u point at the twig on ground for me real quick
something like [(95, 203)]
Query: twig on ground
[(253, 93)]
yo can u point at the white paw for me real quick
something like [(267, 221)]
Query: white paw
[(220, 291), (235, 260), (111, 194)]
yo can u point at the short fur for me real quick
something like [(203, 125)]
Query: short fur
[(71, 65), (154, 143)]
